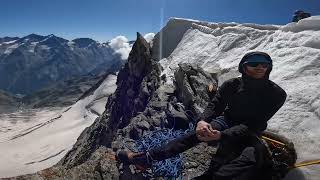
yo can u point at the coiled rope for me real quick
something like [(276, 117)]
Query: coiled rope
[(169, 168)]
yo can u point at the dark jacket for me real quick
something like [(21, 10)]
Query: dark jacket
[(247, 105)]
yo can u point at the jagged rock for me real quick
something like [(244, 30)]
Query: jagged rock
[(191, 84), (121, 106), (177, 116), (136, 128)]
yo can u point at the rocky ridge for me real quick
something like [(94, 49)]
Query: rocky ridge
[(142, 103)]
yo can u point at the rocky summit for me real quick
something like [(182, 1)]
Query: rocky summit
[(142, 103)]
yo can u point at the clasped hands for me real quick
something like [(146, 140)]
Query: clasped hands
[(205, 132)]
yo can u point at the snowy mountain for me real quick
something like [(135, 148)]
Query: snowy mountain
[(33, 62), (140, 102)]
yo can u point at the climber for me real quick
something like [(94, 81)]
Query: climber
[(235, 118), (299, 14)]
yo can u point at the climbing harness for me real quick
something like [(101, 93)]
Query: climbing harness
[(279, 144)]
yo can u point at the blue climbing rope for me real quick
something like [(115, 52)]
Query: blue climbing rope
[(169, 168)]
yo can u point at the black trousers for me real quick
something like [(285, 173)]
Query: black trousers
[(244, 163)]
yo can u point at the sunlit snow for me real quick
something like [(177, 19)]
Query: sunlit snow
[(11, 48), (295, 50)]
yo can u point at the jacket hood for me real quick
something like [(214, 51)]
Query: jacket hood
[(245, 59)]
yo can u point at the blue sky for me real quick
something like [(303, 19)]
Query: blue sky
[(105, 19)]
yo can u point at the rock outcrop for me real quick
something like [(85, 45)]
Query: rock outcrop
[(194, 87)]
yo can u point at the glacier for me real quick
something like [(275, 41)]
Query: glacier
[(33, 140)]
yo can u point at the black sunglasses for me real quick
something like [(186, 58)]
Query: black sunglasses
[(255, 64)]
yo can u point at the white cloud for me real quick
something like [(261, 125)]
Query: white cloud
[(149, 37), (121, 46)]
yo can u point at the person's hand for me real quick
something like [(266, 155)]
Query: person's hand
[(212, 88), (216, 135), (205, 132), (202, 128)]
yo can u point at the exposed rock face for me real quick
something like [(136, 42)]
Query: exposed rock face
[(141, 104), (192, 87)]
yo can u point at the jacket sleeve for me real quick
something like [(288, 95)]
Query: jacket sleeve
[(240, 130), (218, 104), (259, 125), (277, 102)]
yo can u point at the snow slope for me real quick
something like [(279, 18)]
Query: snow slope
[(37, 139), (295, 49)]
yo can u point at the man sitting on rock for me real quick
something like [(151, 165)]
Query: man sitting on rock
[(247, 103)]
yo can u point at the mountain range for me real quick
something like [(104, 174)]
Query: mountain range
[(33, 62)]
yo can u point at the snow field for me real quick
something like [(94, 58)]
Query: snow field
[(295, 50)]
